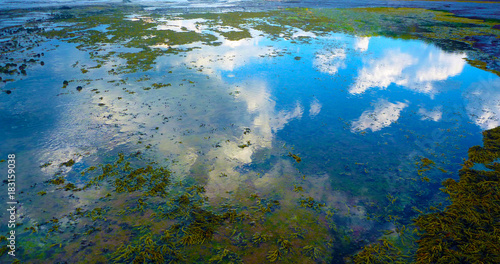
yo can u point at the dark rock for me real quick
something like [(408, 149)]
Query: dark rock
[(8, 91), (79, 88)]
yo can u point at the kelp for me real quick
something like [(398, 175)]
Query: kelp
[(489, 152), (467, 230), (383, 251), (225, 255), (295, 157), (151, 181), (166, 223)]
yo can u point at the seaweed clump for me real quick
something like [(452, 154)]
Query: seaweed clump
[(468, 230), (383, 251), (489, 152), (68, 163)]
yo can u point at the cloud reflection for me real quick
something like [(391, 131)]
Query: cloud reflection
[(330, 61), (263, 121), (412, 72), (228, 56), (384, 114), (315, 108), (301, 33), (362, 43), (381, 73), (484, 103), (435, 114), (182, 25), (266, 120)]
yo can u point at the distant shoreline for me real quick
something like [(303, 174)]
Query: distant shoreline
[(451, 1), (464, 8)]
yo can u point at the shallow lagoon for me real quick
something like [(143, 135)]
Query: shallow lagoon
[(315, 133)]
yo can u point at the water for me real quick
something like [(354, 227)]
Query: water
[(232, 104)]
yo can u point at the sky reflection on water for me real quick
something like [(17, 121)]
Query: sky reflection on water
[(336, 84), (359, 111)]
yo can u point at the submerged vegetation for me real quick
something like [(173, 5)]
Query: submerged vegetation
[(167, 222), (171, 222), (467, 230)]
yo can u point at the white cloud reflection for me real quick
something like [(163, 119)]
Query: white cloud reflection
[(439, 66), (182, 25), (412, 72), (263, 121), (227, 56), (259, 113), (301, 33), (435, 114), (381, 73), (362, 43), (315, 108), (384, 114), (484, 103), (330, 61), (266, 119)]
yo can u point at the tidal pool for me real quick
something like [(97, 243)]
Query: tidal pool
[(289, 136)]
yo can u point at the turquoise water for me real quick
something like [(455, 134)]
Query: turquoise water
[(359, 111)]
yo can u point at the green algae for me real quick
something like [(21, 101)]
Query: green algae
[(441, 28), (131, 34), (236, 35), (466, 231), (68, 163), (383, 251), (166, 222), (295, 157)]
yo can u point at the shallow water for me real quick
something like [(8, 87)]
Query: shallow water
[(229, 104)]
